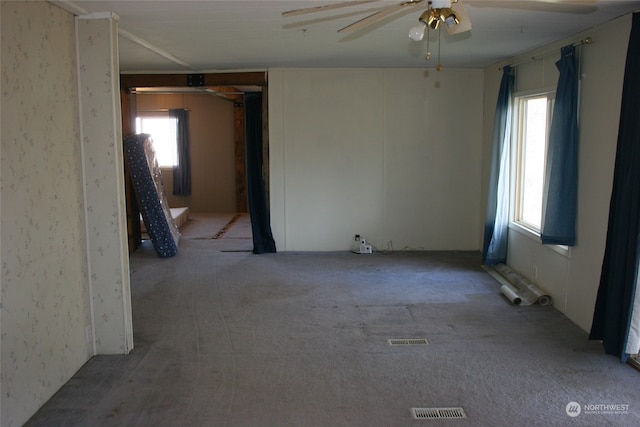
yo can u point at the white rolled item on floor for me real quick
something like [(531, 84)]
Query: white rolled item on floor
[(510, 294), (527, 292)]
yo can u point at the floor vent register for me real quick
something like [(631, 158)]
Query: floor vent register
[(437, 413), (408, 341)]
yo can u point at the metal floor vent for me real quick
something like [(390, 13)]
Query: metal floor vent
[(408, 341), (437, 413)]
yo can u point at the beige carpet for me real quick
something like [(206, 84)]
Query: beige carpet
[(228, 232)]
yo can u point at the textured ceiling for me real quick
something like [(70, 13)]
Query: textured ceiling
[(214, 35)]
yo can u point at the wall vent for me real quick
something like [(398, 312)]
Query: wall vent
[(437, 413)]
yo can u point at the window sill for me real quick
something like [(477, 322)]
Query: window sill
[(534, 235)]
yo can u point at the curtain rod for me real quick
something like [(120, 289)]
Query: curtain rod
[(587, 40), (160, 110)]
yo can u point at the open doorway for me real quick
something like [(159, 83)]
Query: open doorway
[(218, 205)]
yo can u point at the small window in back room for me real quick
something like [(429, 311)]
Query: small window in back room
[(163, 133)]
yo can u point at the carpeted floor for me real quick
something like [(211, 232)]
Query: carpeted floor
[(301, 339), (229, 232)]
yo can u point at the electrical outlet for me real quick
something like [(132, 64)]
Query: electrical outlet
[(357, 237)]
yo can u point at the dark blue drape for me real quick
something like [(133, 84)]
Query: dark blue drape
[(182, 172), (614, 304), (560, 197), (260, 220), (494, 248)]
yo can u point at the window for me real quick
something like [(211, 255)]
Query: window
[(532, 134), (163, 133)]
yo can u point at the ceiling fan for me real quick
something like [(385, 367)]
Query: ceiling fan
[(448, 14), (451, 13)]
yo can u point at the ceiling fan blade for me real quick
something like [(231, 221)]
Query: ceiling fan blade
[(568, 1), (558, 6), (465, 22), (375, 17), (319, 18), (325, 7)]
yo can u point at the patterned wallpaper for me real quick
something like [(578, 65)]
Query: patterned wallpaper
[(104, 166), (45, 302)]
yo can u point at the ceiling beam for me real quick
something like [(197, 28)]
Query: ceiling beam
[(153, 48), (253, 78), (76, 10)]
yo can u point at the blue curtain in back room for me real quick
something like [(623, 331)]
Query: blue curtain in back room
[(494, 248), (182, 172), (560, 197)]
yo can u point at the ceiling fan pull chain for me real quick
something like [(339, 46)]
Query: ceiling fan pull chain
[(428, 55), (439, 66)]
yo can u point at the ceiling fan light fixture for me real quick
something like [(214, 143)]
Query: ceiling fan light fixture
[(433, 19), (440, 4), (449, 17), (417, 33)]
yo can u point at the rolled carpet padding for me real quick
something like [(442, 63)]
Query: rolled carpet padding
[(519, 290)]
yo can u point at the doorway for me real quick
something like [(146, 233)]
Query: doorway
[(223, 216), (211, 210)]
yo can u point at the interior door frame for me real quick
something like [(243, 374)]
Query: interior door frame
[(128, 82)]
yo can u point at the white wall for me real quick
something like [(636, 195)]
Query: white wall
[(573, 279), (393, 155), (45, 301)]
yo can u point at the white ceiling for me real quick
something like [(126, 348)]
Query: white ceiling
[(217, 35)]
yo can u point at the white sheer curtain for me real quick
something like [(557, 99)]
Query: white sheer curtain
[(633, 341)]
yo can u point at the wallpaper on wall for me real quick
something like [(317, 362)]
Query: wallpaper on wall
[(44, 269), (104, 187)]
